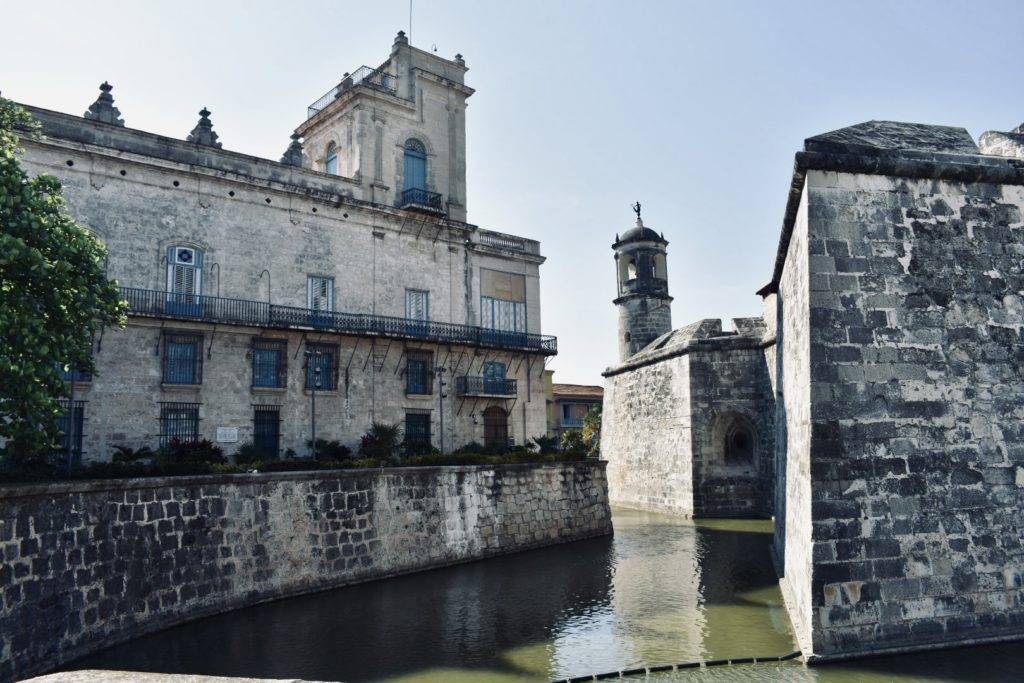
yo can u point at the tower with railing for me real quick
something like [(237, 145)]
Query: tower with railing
[(399, 129), (643, 301)]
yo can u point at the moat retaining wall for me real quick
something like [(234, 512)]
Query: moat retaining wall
[(89, 564)]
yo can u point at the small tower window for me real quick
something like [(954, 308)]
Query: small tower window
[(630, 269), (331, 164), (415, 165)]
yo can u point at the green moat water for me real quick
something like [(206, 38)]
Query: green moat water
[(662, 590)]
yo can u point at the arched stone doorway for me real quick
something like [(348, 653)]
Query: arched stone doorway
[(495, 427)]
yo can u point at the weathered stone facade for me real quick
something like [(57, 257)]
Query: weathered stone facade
[(263, 235), (890, 389), (90, 564), (668, 412)]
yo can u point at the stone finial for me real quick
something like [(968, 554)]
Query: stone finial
[(103, 108), (459, 60), (293, 155), (400, 38), (203, 133), (1019, 130)]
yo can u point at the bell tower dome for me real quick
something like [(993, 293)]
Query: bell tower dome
[(643, 301)]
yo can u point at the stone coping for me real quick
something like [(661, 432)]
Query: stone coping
[(25, 490), (725, 343), (900, 163)]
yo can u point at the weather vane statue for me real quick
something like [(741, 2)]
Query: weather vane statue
[(636, 210)]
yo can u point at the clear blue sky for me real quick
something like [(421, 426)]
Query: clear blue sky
[(581, 108)]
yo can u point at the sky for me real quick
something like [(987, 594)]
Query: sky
[(695, 109)]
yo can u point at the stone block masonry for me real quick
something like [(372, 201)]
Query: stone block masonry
[(90, 564)]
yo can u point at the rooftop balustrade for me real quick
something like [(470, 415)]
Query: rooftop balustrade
[(211, 309), (378, 79)]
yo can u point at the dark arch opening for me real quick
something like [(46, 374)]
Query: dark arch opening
[(739, 444)]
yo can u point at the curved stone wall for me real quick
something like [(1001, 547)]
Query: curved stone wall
[(89, 564)]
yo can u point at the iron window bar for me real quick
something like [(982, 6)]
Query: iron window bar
[(154, 303), (179, 421)]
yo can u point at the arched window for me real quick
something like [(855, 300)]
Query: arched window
[(630, 269), (414, 169), (739, 444), (495, 427), (331, 164)]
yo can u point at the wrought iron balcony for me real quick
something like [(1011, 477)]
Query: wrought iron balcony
[(469, 385), (421, 200), (211, 309), (378, 79)]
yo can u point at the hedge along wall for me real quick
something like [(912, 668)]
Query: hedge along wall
[(89, 564)]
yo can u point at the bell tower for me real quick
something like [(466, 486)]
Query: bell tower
[(643, 301)]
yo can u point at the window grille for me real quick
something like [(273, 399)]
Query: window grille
[(183, 359), (417, 431), (266, 429), (179, 421), (419, 373), (269, 362), (325, 357), (70, 423), (320, 293)]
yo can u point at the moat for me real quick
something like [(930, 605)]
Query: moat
[(662, 590)]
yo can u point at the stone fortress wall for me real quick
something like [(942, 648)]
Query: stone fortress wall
[(90, 564), (888, 371), (667, 413)]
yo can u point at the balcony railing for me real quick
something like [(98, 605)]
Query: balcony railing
[(417, 199), (469, 385), (572, 422), (378, 79), (158, 304), (500, 240)]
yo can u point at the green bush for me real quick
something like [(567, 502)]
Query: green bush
[(249, 453), (381, 442), (199, 451), (572, 440), (330, 451), (546, 444), (126, 454)]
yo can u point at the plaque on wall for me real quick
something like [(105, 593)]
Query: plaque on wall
[(227, 434)]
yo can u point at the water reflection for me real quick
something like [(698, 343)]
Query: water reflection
[(662, 590)]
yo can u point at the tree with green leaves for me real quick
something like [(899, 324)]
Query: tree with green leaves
[(54, 296), (592, 432)]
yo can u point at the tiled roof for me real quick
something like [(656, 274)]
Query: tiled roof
[(577, 390)]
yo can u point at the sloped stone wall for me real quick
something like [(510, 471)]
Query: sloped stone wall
[(90, 564)]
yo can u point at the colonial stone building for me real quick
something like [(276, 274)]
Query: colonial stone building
[(876, 408), (344, 274)]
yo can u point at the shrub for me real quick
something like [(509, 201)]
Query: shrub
[(250, 453), (572, 440), (201, 451), (381, 442), (546, 444), (330, 451), (126, 454), (591, 432)]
